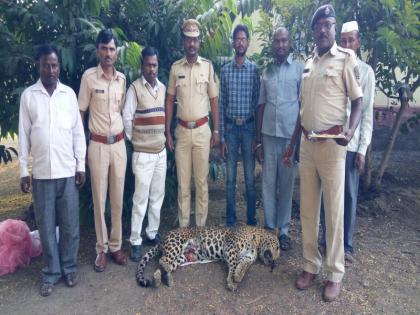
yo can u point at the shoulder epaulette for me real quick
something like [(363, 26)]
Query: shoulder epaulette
[(206, 60), (90, 71), (178, 61), (121, 75), (345, 50)]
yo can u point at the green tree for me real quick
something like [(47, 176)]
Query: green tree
[(390, 43), (73, 25)]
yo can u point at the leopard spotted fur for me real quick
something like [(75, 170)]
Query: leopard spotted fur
[(238, 247)]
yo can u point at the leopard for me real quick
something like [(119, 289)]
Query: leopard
[(239, 247)]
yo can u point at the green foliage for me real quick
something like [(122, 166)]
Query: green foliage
[(389, 29), (410, 124), (293, 15), (71, 26), (6, 154), (217, 168)]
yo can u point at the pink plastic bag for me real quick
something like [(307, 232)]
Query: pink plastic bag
[(15, 245)]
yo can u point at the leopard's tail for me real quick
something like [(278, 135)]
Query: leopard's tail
[(152, 253)]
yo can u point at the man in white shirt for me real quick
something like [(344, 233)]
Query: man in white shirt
[(144, 126), (51, 131), (356, 149)]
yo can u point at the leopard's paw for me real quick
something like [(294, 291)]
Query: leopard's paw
[(232, 286), (168, 279), (157, 278)]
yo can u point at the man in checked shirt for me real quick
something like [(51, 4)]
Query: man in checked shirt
[(239, 88)]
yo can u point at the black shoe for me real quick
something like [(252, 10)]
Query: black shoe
[(252, 222), (71, 279), (284, 242), (135, 253), (152, 242), (46, 289)]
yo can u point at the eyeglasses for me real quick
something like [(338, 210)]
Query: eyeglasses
[(191, 39), (320, 26), (240, 40)]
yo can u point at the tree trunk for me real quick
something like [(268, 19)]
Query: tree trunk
[(390, 146)]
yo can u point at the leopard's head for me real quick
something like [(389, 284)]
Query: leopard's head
[(269, 249)]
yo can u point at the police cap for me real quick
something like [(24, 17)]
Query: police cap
[(191, 28), (324, 11)]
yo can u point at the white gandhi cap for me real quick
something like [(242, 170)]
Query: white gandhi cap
[(350, 27)]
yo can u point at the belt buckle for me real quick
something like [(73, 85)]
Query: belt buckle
[(191, 124), (240, 121), (111, 139)]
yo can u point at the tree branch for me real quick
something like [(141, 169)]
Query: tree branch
[(415, 85), (387, 94)]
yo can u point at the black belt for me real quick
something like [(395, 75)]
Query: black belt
[(239, 121)]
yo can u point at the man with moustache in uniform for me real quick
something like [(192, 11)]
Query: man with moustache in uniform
[(330, 77), (102, 91), (192, 84)]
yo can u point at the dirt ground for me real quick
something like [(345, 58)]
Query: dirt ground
[(383, 279)]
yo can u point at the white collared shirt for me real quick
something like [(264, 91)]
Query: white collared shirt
[(51, 131), (363, 133), (151, 88), (131, 105)]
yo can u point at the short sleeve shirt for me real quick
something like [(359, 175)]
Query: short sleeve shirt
[(193, 85), (327, 83), (105, 99)]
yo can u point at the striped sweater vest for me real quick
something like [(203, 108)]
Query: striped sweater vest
[(149, 119)]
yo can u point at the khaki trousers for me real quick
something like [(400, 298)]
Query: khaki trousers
[(192, 156), (107, 164), (322, 167)]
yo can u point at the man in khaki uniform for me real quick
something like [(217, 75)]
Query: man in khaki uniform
[(330, 77), (192, 83), (102, 90)]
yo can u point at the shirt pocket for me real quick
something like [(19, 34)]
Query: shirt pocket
[(333, 81), (291, 88), (181, 87), (202, 85), (272, 90), (64, 116), (100, 101), (117, 106)]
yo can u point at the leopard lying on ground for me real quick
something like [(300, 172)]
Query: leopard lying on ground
[(238, 247)]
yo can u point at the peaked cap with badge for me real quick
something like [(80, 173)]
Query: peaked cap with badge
[(191, 28), (322, 12)]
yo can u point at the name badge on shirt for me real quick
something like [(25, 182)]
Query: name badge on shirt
[(181, 77), (306, 70), (100, 91)]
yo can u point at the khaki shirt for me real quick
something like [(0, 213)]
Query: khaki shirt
[(105, 99), (327, 82), (193, 86)]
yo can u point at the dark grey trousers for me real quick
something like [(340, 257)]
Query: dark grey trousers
[(56, 202)]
